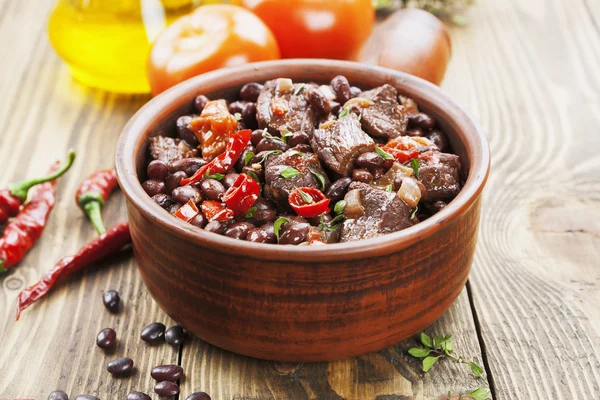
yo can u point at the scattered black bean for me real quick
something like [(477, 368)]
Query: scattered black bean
[(262, 234), (362, 175), (251, 91), (199, 220), (335, 107), (111, 300), (338, 189), (439, 139), (188, 165), (107, 338), (166, 388), (298, 138), (86, 397), (173, 208), (138, 396), (152, 187), (239, 230), (212, 189), (241, 162), (120, 366), (183, 194), (158, 170), (153, 333), (414, 132), (262, 216), (266, 144), (174, 335), (317, 100), (217, 227), (341, 88), (173, 181), (371, 160), (295, 234), (183, 131), (237, 107), (421, 120), (229, 179), (198, 396), (256, 136), (58, 395), (163, 200), (249, 116), (200, 102), (355, 91), (167, 373), (260, 173), (378, 172)]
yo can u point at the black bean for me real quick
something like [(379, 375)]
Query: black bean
[(271, 144), (152, 187), (355, 91), (317, 100), (262, 234), (163, 200), (188, 165), (303, 148), (167, 372), (414, 132), (230, 179), (173, 181), (263, 204), (241, 162), (120, 366), (138, 396), (298, 138), (371, 160), (212, 189), (338, 189), (256, 136), (174, 335), (295, 234), (167, 388), (315, 221), (237, 107), (200, 102), (239, 230), (111, 300), (335, 107), (58, 395), (217, 227), (173, 208), (183, 194), (107, 338), (86, 397), (377, 172), (249, 116), (198, 396), (362, 175), (421, 120), (153, 333), (260, 172), (157, 170), (251, 91), (262, 216), (439, 139), (199, 220), (183, 131), (341, 88)]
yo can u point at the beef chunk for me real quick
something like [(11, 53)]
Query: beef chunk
[(382, 116), (439, 173), (277, 187), (167, 149), (280, 112), (381, 212), (338, 143)]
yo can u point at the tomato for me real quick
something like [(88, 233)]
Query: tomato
[(211, 37), (316, 28)]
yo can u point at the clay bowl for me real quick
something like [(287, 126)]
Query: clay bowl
[(303, 303)]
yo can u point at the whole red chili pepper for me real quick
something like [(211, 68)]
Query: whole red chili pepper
[(225, 161), (102, 246), (308, 202), (23, 231), (242, 194), (93, 193), (15, 195)]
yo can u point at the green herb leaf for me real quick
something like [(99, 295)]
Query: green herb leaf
[(215, 176), (295, 153), (438, 342), (389, 188), (414, 213), (383, 154), (250, 212), (298, 89), (414, 164), (277, 226), (418, 352), (481, 393), (253, 175), (426, 340), (428, 363), (285, 136), (339, 207), (448, 346), (344, 113), (237, 116), (449, 395), (305, 197), (248, 157), (267, 135), (289, 172), (333, 224), (476, 369), (319, 177), (269, 153)]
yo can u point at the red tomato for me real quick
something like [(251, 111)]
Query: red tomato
[(316, 28), (211, 37)]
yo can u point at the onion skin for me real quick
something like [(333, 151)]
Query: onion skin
[(412, 41)]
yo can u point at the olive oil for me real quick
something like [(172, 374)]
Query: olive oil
[(106, 42)]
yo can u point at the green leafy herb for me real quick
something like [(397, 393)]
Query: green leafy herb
[(268, 153), (250, 212), (248, 157), (440, 347), (215, 176), (319, 177), (305, 197), (383, 154), (295, 153), (267, 135), (414, 164), (277, 226), (344, 113), (298, 89), (289, 172), (333, 224), (389, 188), (237, 116), (339, 207), (285, 136), (253, 175), (413, 215), (481, 393)]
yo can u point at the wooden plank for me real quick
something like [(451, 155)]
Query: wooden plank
[(530, 72)]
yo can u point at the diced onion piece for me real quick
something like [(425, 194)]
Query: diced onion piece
[(364, 103), (393, 176), (285, 85), (354, 207), (409, 192), (327, 92), (404, 170)]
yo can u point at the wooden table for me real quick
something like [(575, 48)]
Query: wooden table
[(530, 314)]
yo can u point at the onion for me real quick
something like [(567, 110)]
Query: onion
[(409, 192), (285, 85), (354, 207), (327, 92), (364, 103)]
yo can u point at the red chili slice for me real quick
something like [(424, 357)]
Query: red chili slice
[(216, 211), (308, 202), (242, 194), (401, 156), (187, 211)]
